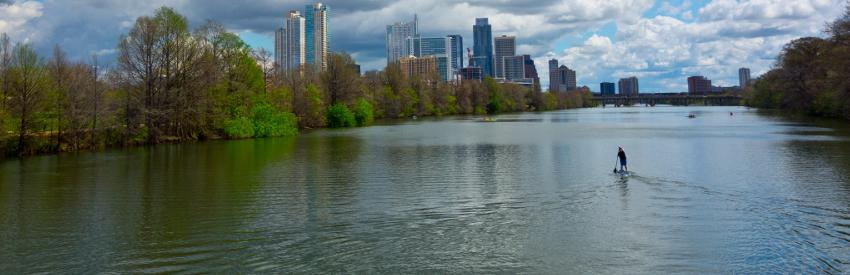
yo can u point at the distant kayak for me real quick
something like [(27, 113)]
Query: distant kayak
[(692, 115), (488, 119)]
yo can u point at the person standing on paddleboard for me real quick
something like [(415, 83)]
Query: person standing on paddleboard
[(622, 156)]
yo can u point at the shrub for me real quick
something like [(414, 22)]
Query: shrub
[(364, 113), (339, 116), (240, 127), (268, 121)]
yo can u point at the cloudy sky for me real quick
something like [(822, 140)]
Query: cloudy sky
[(661, 42)]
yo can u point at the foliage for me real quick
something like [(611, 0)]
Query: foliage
[(340, 117), (314, 105), (811, 75), (240, 127), (264, 121), (495, 104), (268, 121), (364, 113)]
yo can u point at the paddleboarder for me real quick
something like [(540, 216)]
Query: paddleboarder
[(621, 155)]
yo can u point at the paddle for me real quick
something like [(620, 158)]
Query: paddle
[(615, 164)]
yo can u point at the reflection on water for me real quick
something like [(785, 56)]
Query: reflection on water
[(530, 193)]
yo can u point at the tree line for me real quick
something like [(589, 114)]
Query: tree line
[(171, 83), (811, 75)]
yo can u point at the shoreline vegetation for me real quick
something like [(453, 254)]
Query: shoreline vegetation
[(171, 84), (811, 76)]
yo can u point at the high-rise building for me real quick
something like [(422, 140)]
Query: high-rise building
[(554, 80), (530, 67), (744, 78), (567, 79), (457, 52), (699, 85), (279, 56), (606, 88), (295, 46), (432, 46), (629, 86), (290, 44), (483, 45), (513, 67), (531, 71), (438, 47), (472, 73), (317, 36), (480, 62), (505, 46), (418, 66), (398, 35)]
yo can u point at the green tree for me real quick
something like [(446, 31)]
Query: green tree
[(314, 108), (495, 104), (364, 113), (339, 116), (268, 121)]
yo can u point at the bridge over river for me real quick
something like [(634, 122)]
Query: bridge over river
[(668, 98)]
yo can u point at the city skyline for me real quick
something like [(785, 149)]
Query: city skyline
[(662, 43)]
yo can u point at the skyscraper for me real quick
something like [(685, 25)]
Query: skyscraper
[(483, 45), (290, 43), (457, 52), (438, 47), (505, 47), (279, 56), (513, 67), (606, 88), (629, 86), (553, 75), (744, 78), (398, 34), (699, 85), (531, 72), (316, 34), (567, 78)]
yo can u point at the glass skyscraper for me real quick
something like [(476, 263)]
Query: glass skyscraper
[(398, 39), (457, 52), (482, 34), (505, 46), (316, 34), (439, 47), (292, 43)]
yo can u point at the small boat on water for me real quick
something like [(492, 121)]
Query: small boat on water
[(488, 119), (692, 115)]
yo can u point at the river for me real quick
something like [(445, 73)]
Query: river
[(529, 193)]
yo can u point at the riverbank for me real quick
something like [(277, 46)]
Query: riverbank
[(48, 143)]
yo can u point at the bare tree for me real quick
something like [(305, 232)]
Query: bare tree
[(95, 100), (58, 66), (5, 63), (139, 62), (264, 58), (28, 82), (340, 79)]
